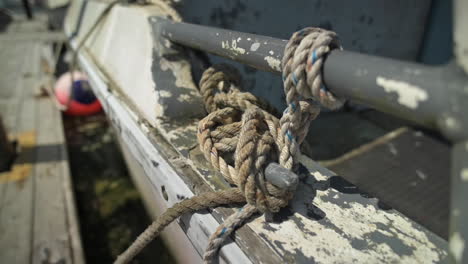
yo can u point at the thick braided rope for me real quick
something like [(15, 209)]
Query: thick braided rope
[(238, 128), (253, 141), (224, 230), (302, 79), (302, 65), (196, 203)]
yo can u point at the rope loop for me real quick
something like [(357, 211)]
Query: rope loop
[(302, 66)]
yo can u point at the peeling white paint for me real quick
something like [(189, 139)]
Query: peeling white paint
[(421, 175), (392, 149), (412, 71), (164, 93), (327, 245), (271, 52), (167, 43), (333, 238), (464, 174), (249, 39), (184, 98), (451, 122), (232, 46), (457, 246), (175, 134), (255, 46), (408, 95), (273, 62)]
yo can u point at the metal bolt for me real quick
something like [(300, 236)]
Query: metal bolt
[(281, 177)]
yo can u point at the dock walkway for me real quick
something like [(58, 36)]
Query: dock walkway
[(38, 220)]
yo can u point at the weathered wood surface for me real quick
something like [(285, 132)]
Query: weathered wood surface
[(37, 216), (17, 187), (409, 171), (7, 150)]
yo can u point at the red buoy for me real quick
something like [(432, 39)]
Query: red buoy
[(82, 101)]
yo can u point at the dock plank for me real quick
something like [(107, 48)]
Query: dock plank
[(50, 236), (38, 219), (17, 186)]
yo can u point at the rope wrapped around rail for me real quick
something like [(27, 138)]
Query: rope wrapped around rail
[(241, 136)]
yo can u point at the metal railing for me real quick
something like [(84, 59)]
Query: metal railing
[(435, 97)]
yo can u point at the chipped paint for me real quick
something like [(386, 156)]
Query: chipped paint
[(408, 95), (273, 63), (451, 123), (232, 46), (392, 148), (359, 232), (271, 52), (421, 175), (412, 71), (164, 93), (175, 134), (255, 46), (183, 98), (457, 246), (182, 95), (464, 174), (182, 78)]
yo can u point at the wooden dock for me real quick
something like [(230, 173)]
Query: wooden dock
[(38, 220)]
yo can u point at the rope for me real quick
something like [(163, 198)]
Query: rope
[(240, 136), (225, 229), (302, 64), (196, 203)]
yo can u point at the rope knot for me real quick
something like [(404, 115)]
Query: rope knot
[(241, 138)]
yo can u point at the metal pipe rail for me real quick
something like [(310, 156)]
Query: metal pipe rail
[(429, 96), (434, 97)]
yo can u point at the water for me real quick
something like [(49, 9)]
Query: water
[(110, 209)]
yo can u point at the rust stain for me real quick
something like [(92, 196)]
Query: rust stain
[(22, 167)]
